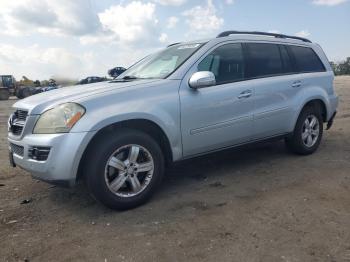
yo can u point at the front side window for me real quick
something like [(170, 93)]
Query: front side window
[(264, 60), (226, 62), (163, 63), (306, 59)]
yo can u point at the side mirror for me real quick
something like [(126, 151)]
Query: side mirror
[(202, 79)]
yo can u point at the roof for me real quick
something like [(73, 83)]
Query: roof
[(251, 35)]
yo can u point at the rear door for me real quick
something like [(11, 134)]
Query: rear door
[(271, 71)]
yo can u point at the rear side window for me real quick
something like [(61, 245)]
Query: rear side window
[(306, 59), (264, 60), (226, 62)]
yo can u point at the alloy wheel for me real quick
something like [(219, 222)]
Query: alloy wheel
[(129, 170), (310, 131)]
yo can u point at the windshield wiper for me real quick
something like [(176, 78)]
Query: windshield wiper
[(126, 78), (129, 77)]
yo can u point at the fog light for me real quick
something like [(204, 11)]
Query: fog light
[(38, 153)]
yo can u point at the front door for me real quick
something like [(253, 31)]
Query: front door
[(218, 116)]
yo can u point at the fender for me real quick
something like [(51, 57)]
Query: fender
[(305, 96), (157, 102), (170, 129)]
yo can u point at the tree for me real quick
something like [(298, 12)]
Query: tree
[(342, 68)]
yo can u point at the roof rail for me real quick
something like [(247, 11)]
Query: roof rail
[(227, 33), (174, 44)]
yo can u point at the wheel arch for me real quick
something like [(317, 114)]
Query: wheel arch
[(314, 101), (149, 127), (317, 102)]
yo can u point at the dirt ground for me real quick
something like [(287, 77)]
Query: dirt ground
[(255, 204)]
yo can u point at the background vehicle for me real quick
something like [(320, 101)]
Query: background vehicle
[(7, 86), (91, 79), (21, 89), (116, 71), (187, 100), (51, 85)]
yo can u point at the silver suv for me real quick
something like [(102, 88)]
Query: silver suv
[(186, 100)]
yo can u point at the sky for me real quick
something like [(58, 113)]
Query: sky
[(75, 39)]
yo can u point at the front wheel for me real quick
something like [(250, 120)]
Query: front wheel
[(124, 168), (307, 133)]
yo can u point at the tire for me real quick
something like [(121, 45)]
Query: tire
[(4, 94), (18, 93), (100, 174), (26, 92), (298, 142)]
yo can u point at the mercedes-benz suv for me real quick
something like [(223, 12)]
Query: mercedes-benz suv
[(186, 100)]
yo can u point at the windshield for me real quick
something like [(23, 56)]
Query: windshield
[(161, 64)]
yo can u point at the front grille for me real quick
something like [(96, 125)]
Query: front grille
[(16, 149), (38, 153), (16, 130), (18, 120), (21, 115)]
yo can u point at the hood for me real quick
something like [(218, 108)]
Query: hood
[(36, 104)]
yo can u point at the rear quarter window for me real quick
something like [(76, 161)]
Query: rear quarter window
[(306, 60)]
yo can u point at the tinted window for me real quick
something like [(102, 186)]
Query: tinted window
[(226, 62), (306, 59), (264, 60), (286, 60)]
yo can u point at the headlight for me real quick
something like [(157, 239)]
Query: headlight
[(59, 119)]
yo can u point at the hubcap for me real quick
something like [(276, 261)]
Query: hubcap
[(129, 170), (310, 131)]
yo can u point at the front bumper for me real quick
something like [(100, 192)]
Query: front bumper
[(61, 165)]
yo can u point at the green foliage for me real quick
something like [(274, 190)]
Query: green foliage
[(342, 68)]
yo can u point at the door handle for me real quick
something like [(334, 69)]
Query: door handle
[(296, 84), (245, 94)]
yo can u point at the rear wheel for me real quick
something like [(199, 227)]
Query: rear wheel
[(4, 94), (124, 169), (308, 131)]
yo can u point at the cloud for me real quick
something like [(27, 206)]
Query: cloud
[(303, 33), (163, 38), (132, 23), (203, 20), (170, 2), (63, 17), (328, 2), (127, 31), (123, 23), (229, 2), (36, 62), (172, 22), (41, 63)]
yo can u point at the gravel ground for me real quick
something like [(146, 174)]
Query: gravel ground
[(259, 203)]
